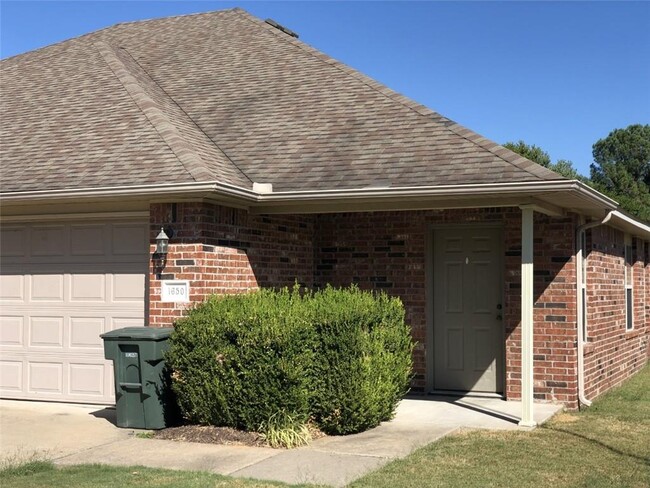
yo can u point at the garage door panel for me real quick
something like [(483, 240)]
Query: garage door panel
[(128, 287), (46, 287), (12, 241), (12, 331), (88, 240), (61, 286), (87, 379), (11, 376), (88, 287), (57, 378), (45, 377), (48, 240), (12, 287), (46, 332), (120, 322), (129, 239), (85, 331)]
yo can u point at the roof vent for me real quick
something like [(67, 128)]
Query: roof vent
[(281, 27)]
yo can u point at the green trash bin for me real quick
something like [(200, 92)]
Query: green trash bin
[(143, 397)]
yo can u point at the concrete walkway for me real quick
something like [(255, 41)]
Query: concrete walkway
[(77, 434)]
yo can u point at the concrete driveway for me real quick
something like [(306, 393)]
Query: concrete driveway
[(76, 434)]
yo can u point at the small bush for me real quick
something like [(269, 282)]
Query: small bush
[(283, 430), (238, 360), (363, 359), (341, 357)]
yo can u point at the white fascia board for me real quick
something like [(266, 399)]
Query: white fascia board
[(538, 187), (137, 191), (586, 195), (252, 198)]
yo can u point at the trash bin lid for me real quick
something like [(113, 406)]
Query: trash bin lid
[(139, 333)]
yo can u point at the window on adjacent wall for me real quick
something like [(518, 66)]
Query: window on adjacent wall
[(629, 284), (583, 283)]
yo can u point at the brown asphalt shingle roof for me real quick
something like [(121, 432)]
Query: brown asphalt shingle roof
[(225, 97)]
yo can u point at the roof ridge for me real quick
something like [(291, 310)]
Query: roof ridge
[(192, 14), (213, 144), (43, 48), (496, 149), (169, 132), (95, 33)]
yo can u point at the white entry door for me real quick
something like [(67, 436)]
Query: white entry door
[(467, 310), (62, 284)]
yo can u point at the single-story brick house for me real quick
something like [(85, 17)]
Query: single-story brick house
[(268, 162)]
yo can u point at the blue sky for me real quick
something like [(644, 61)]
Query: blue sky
[(560, 75)]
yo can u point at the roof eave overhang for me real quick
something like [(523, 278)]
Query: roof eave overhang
[(154, 193), (553, 197), (630, 225)]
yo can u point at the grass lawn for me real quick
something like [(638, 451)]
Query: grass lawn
[(606, 446), (41, 474)]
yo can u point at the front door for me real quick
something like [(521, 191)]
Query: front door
[(467, 309)]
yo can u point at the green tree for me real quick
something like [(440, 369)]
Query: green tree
[(566, 169), (532, 152), (621, 168), (541, 157)]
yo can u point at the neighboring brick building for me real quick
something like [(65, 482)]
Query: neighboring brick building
[(516, 281)]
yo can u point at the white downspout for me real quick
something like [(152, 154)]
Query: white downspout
[(580, 306)]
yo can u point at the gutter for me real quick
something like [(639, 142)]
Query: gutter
[(151, 191), (580, 304), (253, 197), (442, 191)]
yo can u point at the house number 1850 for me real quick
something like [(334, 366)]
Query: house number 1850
[(175, 291)]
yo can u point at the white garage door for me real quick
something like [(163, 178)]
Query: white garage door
[(63, 284)]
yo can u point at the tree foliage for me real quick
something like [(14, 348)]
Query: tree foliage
[(622, 151), (541, 157), (530, 151), (621, 168)]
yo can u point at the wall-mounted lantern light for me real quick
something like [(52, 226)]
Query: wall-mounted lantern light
[(159, 257), (162, 243)]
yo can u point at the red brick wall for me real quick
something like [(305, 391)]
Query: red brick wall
[(554, 314), (613, 354), (386, 251), (647, 291), (226, 250)]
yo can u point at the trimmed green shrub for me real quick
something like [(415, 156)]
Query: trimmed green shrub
[(340, 357), (363, 359), (238, 360)]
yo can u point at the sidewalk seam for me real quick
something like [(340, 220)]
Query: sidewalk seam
[(230, 473), (88, 449), (375, 456)]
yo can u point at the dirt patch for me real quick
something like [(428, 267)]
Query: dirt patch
[(208, 434), (565, 418)]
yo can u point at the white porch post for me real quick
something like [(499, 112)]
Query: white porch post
[(527, 299)]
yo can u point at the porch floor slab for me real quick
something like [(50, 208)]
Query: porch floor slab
[(76, 434)]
